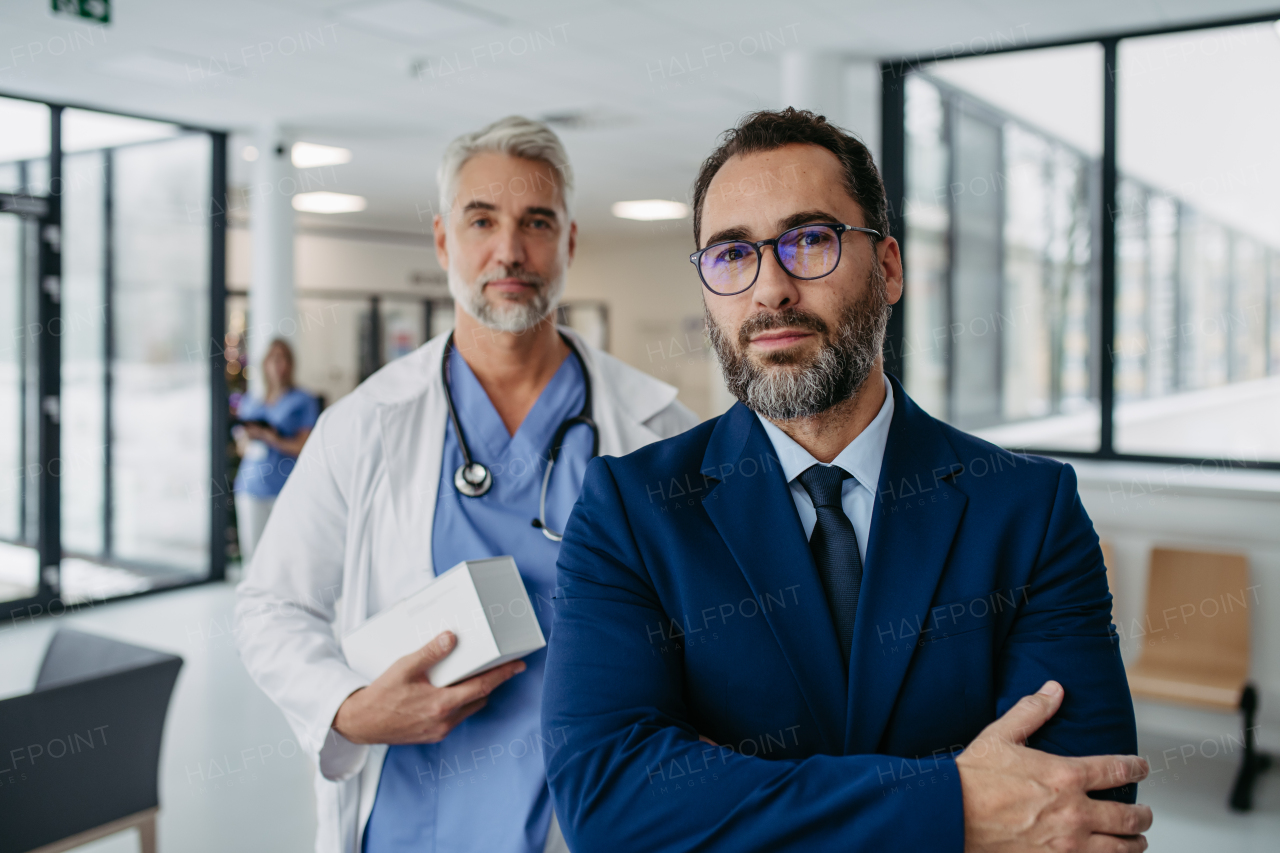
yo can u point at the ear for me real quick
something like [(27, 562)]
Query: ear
[(439, 230), (889, 256), (573, 240)]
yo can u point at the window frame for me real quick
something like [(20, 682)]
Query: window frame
[(893, 76), (46, 212)]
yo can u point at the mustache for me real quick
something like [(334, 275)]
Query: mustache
[(788, 318), (522, 275)]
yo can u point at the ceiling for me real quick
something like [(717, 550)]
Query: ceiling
[(639, 90)]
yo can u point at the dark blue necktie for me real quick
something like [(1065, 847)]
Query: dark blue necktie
[(834, 545)]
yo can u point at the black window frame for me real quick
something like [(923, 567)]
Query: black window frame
[(893, 76), (46, 213)]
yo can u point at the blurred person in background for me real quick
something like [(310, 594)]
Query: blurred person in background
[(270, 433)]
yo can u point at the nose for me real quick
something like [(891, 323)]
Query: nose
[(774, 288), (510, 249)]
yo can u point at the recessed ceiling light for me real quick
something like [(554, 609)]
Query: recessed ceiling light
[(249, 153), (308, 155), (322, 202), (650, 209)]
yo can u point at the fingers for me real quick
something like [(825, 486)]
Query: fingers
[(1111, 771), (1114, 844), (414, 664), (706, 739), (1031, 712), (466, 711), (1118, 818), (480, 686)]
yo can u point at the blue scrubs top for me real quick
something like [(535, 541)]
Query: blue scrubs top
[(264, 469), (484, 788)]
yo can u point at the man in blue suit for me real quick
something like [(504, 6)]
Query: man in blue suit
[(826, 620)]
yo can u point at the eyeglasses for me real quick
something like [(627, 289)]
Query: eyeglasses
[(806, 252)]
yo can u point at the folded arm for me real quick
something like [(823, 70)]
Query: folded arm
[(629, 771)]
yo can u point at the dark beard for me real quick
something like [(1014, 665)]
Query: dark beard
[(799, 386)]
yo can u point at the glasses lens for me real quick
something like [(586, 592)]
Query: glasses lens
[(729, 267), (810, 251)]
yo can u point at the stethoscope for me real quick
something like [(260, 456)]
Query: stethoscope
[(473, 479)]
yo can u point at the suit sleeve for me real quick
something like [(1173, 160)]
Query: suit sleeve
[(1064, 632), (627, 770)]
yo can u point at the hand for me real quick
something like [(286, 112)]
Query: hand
[(1021, 799), (257, 432), (402, 706)]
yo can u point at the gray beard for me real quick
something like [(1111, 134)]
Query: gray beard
[(510, 316), (801, 388)]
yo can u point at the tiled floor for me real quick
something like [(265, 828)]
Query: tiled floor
[(216, 800)]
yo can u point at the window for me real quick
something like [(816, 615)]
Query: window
[(110, 250), (1090, 244)]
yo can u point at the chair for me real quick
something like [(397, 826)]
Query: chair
[(83, 748), (1196, 649), (1109, 562)]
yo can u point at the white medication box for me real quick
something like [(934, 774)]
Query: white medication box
[(483, 602)]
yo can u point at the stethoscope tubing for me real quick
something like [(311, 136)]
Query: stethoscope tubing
[(473, 479)]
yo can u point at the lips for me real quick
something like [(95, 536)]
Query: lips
[(780, 338)]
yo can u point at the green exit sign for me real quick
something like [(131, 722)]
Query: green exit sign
[(93, 10)]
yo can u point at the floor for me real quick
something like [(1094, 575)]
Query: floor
[(214, 800)]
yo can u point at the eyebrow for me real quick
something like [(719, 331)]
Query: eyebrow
[(528, 211), (739, 232)]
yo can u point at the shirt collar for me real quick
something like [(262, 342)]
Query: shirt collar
[(862, 457)]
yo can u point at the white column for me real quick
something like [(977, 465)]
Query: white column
[(862, 102), (272, 310), (813, 80)]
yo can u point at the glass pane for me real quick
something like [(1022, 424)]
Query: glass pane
[(402, 327), (1002, 169), (11, 359), (1198, 266), (160, 379), (83, 336), (19, 566), (327, 345), (85, 130), (25, 140)]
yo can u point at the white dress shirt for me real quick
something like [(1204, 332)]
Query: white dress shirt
[(861, 458)]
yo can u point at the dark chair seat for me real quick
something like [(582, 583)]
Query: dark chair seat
[(81, 752)]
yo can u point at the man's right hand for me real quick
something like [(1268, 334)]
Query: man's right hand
[(402, 706), (1021, 799)]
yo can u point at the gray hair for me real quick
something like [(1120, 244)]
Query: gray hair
[(515, 136)]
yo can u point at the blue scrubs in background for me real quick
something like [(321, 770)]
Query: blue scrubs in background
[(483, 788)]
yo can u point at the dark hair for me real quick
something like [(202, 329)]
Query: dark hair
[(769, 129)]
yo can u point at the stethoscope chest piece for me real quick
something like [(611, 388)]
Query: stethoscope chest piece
[(472, 480)]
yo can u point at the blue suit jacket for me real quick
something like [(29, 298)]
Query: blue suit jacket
[(690, 606)]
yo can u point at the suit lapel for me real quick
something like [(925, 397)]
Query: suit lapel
[(906, 553), (753, 511)]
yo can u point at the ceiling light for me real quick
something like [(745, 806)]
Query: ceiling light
[(649, 209), (249, 153), (308, 155), (328, 203)]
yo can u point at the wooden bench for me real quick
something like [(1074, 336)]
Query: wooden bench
[(1196, 644)]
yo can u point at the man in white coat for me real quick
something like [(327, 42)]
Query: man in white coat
[(378, 504)]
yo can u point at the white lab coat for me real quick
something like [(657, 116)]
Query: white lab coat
[(351, 531)]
